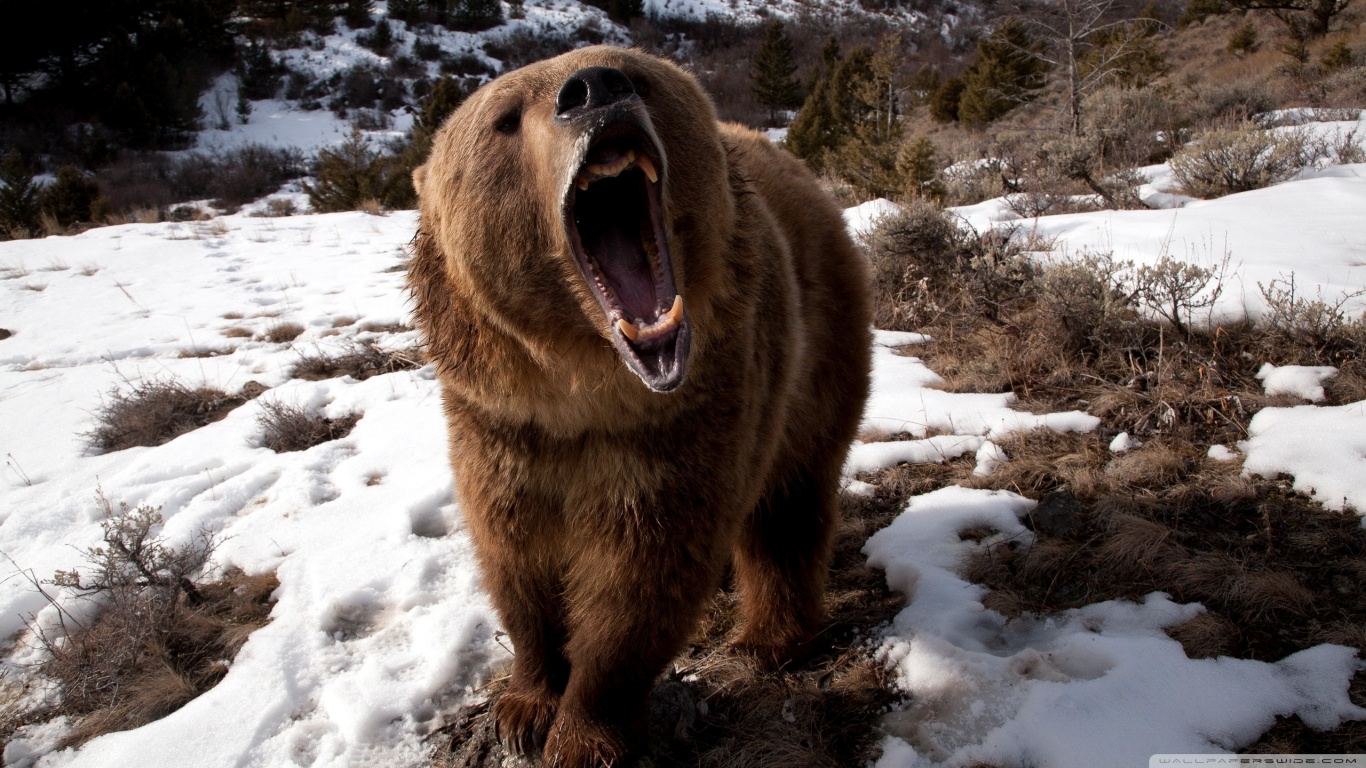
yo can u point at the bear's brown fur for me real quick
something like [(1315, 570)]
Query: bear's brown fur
[(614, 450)]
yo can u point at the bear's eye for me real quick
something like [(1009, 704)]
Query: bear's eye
[(641, 84), (509, 121)]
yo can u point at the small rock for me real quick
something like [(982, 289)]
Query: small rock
[(1058, 514)]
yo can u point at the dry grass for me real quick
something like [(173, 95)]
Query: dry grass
[(155, 412), (286, 428), (360, 360), (282, 333), (237, 332), (716, 709)]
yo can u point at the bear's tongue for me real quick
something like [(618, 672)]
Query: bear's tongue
[(618, 251)]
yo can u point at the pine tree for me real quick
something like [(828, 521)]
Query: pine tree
[(814, 131), (1339, 56), (944, 100), (71, 198), (1005, 73), (622, 11), (1244, 39), (445, 96), (918, 166), (772, 71), (348, 175), (475, 15), (358, 12), (18, 197)]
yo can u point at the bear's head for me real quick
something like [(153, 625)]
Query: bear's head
[(585, 198)]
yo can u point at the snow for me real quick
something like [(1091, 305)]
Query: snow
[(378, 619), (1123, 442), (1222, 453), (863, 217), (1324, 448), (380, 628), (283, 123), (1096, 685), (1304, 381)]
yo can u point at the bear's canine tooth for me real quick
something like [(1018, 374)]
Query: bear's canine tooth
[(675, 312), (627, 329), (647, 165)]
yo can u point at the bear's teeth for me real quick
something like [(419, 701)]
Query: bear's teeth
[(648, 167), (666, 321)]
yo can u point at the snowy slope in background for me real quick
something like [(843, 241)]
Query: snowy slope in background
[(380, 627), (283, 123), (1312, 227)]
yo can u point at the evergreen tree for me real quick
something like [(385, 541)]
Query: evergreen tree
[(475, 15), (1006, 72), (355, 173), (258, 73), (918, 166), (71, 198), (1339, 56), (944, 100), (357, 13), (814, 131), (622, 11), (18, 197), (773, 70), (1244, 39), (445, 96)]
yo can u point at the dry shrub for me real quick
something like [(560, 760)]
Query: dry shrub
[(282, 333), (160, 638), (286, 428), (155, 412), (925, 266), (360, 360), (1237, 158)]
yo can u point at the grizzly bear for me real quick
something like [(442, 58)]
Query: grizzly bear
[(651, 333)]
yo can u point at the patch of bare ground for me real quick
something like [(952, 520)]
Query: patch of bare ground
[(160, 638), (716, 708)]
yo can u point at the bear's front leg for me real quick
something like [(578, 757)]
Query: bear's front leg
[(533, 619), (630, 611)]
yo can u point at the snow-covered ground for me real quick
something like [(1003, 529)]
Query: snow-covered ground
[(380, 625)]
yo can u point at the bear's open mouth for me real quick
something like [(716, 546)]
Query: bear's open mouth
[(614, 218)]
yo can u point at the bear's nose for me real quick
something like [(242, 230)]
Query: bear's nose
[(593, 87)]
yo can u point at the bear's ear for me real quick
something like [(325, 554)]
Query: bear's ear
[(419, 176)]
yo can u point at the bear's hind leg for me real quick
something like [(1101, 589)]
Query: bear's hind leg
[(780, 565)]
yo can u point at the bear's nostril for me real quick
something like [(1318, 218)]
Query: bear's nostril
[(593, 87)]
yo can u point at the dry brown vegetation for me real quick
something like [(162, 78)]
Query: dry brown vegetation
[(159, 639), (359, 360), (155, 412), (287, 428), (1275, 570)]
